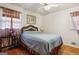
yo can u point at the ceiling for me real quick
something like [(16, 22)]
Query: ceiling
[(37, 7)]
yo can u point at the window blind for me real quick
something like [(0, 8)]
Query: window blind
[(76, 13), (10, 13)]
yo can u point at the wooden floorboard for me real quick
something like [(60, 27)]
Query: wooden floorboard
[(67, 50)]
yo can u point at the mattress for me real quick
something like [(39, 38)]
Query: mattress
[(42, 43)]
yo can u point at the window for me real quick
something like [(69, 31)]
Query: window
[(6, 23), (16, 23), (76, 22), (10, 19), (75, 19)]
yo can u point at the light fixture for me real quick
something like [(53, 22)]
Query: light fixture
[(48, 6)]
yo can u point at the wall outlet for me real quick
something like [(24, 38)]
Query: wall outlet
[(73, 43)]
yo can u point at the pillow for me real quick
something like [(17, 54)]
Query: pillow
[(29, 32)]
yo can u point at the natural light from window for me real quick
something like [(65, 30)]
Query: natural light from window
[(6, 23)]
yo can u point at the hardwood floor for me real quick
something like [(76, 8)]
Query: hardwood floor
[(67, 50), (16, 51)]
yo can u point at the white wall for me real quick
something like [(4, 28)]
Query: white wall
[(24, 14), (38, 19), (61, 23)]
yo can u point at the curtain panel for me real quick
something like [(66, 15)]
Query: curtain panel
[(8, 13), (75, 19)]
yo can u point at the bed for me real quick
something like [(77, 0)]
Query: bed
[(40, 43)]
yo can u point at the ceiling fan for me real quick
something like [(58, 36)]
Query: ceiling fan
[(48, 6)]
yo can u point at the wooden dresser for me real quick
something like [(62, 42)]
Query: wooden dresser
[(8, 41)]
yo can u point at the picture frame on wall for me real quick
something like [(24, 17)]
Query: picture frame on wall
[(31, 19)]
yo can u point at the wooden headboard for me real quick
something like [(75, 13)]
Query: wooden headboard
[(29, 28)]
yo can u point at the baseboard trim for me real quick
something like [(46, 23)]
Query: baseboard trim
[(71, 45)]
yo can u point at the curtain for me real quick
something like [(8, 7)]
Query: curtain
[(0, 17), (6, 20), (11, 14), (75, 19)]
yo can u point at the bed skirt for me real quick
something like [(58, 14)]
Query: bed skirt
[(56, 51)]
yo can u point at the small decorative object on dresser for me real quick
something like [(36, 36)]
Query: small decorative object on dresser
[(42, 29), (31, 19)]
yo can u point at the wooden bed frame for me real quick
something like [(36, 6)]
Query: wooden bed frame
[(55, 51)]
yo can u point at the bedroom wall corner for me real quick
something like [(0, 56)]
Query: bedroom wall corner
[(61, 23)]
